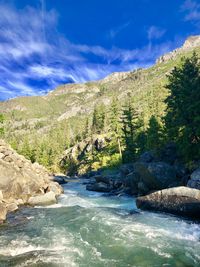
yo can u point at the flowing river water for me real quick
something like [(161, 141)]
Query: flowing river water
[(94, 230)]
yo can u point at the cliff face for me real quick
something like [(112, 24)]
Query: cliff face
[(191, 43), (20, 180)]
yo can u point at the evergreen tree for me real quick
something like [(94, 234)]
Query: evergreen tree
[(129, 120), (183, 107), (115, 122), (154, 134), (99, 119)]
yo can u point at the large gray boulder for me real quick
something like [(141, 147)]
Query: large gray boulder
[(156, 175), (42, 200), (180, 200), (194, 182)]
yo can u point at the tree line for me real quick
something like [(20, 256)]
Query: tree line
[(133, 130)]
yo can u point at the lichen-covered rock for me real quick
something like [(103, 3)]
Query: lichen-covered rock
[(180, 200)]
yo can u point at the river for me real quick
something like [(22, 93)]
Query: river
[(93, 230)]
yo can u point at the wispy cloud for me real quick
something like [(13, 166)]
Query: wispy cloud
[(35, 57), (192, 11), (155, 32), (115, 31)]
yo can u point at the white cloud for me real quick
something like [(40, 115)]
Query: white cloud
[(31, 49)]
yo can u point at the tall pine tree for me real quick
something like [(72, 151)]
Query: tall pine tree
[(129, 120), (183, 107)]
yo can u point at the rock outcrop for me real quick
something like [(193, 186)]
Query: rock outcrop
[(191, 43), (20, 180), (181, 200), (74, 160), (155, 175)]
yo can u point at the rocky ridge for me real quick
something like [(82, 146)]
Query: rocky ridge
[(21, 182), (191, 43)]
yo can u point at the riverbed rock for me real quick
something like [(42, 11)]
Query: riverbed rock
[(155, 175), (3, 212), (11, 207), (131, 181), (42, 200), (98, 187), (181, 200), (194, 182), (125, 169), (56, 188)]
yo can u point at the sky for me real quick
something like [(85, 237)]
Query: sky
[(45, 43)]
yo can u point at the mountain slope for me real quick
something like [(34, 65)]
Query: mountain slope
[(63, 112)]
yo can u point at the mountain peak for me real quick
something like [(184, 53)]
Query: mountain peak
[(190, 43)]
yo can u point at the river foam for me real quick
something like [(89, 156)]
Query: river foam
[(89, 229)]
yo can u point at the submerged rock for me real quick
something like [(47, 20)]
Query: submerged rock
[(181, 200)]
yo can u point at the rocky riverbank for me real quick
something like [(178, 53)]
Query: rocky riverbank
[(23, 183), (160, 183)]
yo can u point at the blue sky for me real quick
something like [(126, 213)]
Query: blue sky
[(44, 43)]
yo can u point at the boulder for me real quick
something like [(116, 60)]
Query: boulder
[(131, 181), (125, 169), (60, 179), (55, 187), (104, 179), (11, 207), (181, 200), (147, 157), (194, 182), (99, 187), (42, 200), (3, 212), (155, 175), (20, 179)]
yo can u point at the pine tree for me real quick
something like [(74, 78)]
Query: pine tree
[(129, 120), (99, 119), (183, 107), (154, 134), (115, 122)]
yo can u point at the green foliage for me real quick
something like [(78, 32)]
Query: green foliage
[(1, 125), (99, 119), (183, 107), (154, 134), (142, 122), (129, 121)]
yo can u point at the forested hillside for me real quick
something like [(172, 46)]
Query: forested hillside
[(132, 112)]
